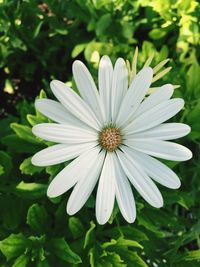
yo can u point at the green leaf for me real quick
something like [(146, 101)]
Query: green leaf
[(62, 250), (31, 190), (189, 256), (27, 167), (12, 217), (6, 163), (37, 218), (18, 145), (122, 242), (103, 23), (157, 34), (89, 237), (78, 49), (24, 132), (13, 245), (76, 227), (43, 264), (21, 261), (1, 169)]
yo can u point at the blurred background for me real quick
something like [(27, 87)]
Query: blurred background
[(39, 40)]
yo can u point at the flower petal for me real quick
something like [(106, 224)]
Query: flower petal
[(84, 187), (124, 194), (106, 191), (134, 95), (62, 133), (158, 171), (72, 102), (105, 83), (161, 149), (162, 94), (166, 131), (155, 116), (57, 112), (72, 173), (142, 183), (119, 86), (87, 87), (60, 153)]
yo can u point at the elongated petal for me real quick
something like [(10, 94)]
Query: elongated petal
[(119, 86), (142, 183), (62, 133), (162, 94), (166, 131), (155, 169), (105, 83), (155, 116), (161, 149), (57, 112), (124, 194), (60, 153), (87, 87), (106, 191), (74, 104), (84, 187), (134, 95), (72, 173)]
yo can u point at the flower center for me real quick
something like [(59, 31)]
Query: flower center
[(110, 138)]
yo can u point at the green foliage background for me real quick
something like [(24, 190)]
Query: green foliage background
[(38, 42)]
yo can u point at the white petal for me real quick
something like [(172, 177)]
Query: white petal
[(84, 187), (166, 131), (134, 95), (162, 94), (72, 173), (155, 116), (105, 83), (106, 191), (57, 112), (74, 104), (87, 87), (142, 183), (124, 194), (119, 86), (62, 133), (155, 169), (60, 153), (160, 149)]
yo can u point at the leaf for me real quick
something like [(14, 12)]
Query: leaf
[(76, 227), (37, 218), (121, 242), (78, 49), (24, 132), (157, 34), (1, 169), (189, 256), (12, 216), (31, 190), (103, 23), (89, 237), (21, 261), (13, 245), (6, 163), (62, 250), (42, 264), (27, 167), (18, 145)]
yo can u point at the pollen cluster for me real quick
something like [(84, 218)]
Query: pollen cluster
[(110, 138)]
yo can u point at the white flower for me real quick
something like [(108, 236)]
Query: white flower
[(112, 135)]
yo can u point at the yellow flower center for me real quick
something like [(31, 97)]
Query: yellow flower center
[(110, 138)]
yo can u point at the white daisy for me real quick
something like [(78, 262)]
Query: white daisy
[(112, 135)]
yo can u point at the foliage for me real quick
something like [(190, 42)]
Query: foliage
[(38, 42)]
